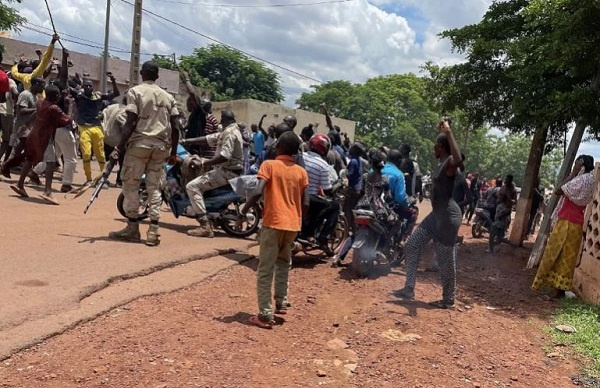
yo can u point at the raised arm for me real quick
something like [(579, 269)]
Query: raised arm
[(444, 127), (327, 117), (115, 89), (63, 72), (46, 58), (188, 85), (260, 126)]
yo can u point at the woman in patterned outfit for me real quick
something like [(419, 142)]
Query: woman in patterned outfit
[(441, 224), (560, 256)]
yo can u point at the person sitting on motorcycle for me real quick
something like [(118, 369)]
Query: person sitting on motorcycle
[(398, 189), (507, 197), (491, 199), (321, 209), (227, 163)]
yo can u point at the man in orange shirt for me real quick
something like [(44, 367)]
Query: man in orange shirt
[(284, 185)]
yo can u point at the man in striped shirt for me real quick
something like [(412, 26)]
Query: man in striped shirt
[(321, 209)]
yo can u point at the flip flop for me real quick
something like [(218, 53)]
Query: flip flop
[(21, 192), (440, 304), (49, 199), (255, 320)]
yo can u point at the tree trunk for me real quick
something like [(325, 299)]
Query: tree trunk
[(565, 168), (521, 221)]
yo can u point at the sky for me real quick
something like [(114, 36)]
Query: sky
[(345, 39)]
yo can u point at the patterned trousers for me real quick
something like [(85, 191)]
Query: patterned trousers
[(445, 256)]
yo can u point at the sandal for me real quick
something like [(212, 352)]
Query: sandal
[(281, 310), (49, 199), (255, 320), (440, 304), (20, 191)]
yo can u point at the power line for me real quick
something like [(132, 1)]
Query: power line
[(225, 44), (92, 44), (72, 36), (255, 5)]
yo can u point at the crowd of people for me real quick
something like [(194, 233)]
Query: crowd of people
[(47, 121)]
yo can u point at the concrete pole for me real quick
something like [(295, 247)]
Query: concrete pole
[(136, 40), (105, 54)]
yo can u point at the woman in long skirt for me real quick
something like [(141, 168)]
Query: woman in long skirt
[(560, 256)]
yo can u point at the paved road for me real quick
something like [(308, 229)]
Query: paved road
[(58, 268), (52, 257)]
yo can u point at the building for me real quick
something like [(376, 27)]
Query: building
[(250, 112), (84, 64)]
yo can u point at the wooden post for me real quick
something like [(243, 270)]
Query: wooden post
[(136, 41), (519, 228), (565, 168)]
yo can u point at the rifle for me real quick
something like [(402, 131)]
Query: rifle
[(100, 181)]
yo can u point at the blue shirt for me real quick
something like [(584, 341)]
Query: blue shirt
[(355, 174), (397, 185), (259, 142)]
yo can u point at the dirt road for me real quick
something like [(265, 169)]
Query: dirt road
[(58, 267), (340, 332)]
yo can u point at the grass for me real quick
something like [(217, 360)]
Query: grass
[(586, 341)]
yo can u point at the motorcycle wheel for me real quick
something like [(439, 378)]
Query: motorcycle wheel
[(143, 209), (362, 260), (340, 233), (228, 218), (477, 229)]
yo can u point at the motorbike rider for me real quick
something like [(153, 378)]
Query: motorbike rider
[(491, 198), (507, 197), (398, 188), (322, 208), (227, 163)]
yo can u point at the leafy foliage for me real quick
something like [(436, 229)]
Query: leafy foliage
[(9, 17), (229, 74), (388, 110)]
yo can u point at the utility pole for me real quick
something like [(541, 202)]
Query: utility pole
[(134, 69), (105, 56)]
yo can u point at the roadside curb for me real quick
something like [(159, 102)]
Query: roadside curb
[(117, 291)]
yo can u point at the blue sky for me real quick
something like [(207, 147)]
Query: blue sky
[(354, 40)]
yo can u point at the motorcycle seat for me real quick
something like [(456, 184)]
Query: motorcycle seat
[(225, 189)]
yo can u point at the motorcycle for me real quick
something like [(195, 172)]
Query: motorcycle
[(222, 204), (376, 242), (483, 222), (340, 233)]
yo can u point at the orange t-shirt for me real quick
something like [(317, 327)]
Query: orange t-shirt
[(285, 185)]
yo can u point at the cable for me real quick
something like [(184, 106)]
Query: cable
[(52, 22), (254, 5), (73, 36), (96, 45), (225, 44)]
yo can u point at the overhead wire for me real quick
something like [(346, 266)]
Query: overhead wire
[(254, 5), (86, 44), (62, 33), (225, 44)]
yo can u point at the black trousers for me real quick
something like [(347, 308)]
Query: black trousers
[(321, 212)]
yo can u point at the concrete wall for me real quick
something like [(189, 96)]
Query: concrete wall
[(250, 112), (586, 279), (85, 63)]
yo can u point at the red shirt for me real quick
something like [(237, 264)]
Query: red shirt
[(571, 212), (4, 86), (48, 118)]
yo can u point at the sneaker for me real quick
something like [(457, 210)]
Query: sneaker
[(66, 188), (105, 186)]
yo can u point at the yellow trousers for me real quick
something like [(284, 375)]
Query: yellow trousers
[(91, 137)]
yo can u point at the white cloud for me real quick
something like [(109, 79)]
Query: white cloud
[(353, 40)]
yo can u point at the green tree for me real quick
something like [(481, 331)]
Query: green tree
[(9, 17), (229, 74), (389, 110)]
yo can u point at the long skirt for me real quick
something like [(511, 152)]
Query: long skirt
[(560, 256)]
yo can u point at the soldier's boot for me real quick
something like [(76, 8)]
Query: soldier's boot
[(205, 229), (152, 236), (130, 233)]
